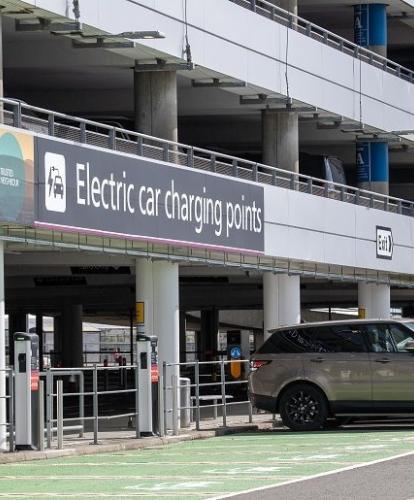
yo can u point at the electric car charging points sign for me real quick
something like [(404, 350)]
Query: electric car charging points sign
[(90, 190), (385, 243)]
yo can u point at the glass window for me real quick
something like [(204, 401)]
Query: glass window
[(379, 338), (294, 340), (401, 335), (340, 338)]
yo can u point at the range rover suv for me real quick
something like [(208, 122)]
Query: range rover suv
[(318, 374)]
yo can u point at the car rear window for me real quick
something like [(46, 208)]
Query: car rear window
[(340, 338), (335, 338), (294, 340)]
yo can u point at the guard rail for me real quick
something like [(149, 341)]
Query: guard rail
[(281, 16), (42, 121)]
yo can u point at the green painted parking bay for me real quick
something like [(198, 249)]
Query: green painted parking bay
[(204, 468)]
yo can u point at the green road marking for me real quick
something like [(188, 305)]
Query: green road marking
[(201, 469)]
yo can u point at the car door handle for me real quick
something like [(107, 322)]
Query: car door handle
[(383, 360), (317, 360)]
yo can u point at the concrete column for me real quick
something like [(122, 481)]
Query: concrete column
[(3, 414), (209, 331), (374, 301), (57, 340), (373, 166), (39, 332), (157, 285), (183, 341), (281, 301), (72, 336), (17, 323), (289, 5), (280, 140), (370, 27), (156, 104)]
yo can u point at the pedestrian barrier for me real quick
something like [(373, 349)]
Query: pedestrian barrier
[(70, 400), (214, 394), (281, 16)]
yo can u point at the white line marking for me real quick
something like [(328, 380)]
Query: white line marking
[(315, 476)]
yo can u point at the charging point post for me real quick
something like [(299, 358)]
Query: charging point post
[(26, 362), (147, 361)]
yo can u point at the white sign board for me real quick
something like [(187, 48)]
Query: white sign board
[(385, 243)]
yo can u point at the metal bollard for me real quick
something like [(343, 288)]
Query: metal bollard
[(223, 392), (197, 394), (41, 415), (137, 431), (95, 405), (11, 410), (60, 414), (161, 405), (49, 407), (174, 380)]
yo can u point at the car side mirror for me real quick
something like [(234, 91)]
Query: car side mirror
[(409, 346)]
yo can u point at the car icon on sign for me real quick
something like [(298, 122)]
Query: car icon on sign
[(58, 187)]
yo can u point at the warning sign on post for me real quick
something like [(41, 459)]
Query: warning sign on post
[(140, 313)]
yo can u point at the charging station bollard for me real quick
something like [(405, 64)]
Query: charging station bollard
[(26, 363), (148, 393)]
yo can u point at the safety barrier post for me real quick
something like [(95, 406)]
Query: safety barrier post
[(197, 393), (11, 410), (49, 407), (161, 405), (137, 431), (95, 404), (164, 391), (223, 392), (82, 402), (59, 411), (41, 415), (174, 384)]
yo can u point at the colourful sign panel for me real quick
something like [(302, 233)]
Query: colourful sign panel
[(16, 177)]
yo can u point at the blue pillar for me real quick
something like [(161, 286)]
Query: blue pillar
[(372, 166), (370, 27)]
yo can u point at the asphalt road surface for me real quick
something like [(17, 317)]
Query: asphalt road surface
[(389, 480)]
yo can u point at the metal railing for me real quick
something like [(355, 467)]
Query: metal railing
[(7, 425), (220, 391), (301, 25), (62, 126), (57, 423)]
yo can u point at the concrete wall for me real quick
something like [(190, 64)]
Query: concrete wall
[(252, 48), (311, 228)]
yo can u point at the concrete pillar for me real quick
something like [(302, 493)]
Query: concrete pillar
[(183, 340), (281, 301), (39, 332), (156, 104), (370, 27), (289, 5), (280, 140), (72, 336), (208, 334), (17, 323), (57, 341), (374, 301), (157, 285), (373, 166), (3, 413)]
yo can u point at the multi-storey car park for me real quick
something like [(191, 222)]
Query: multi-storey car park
[(180, 153)]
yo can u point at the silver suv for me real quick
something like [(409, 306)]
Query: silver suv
[(318, 374)]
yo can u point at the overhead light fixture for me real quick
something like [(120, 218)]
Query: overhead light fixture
[(402, 132), (141, 35), (217, 83), (289, 106), (100, 43), (44, 24), (162, 65)]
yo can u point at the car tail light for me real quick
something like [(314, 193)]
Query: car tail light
[(255, 364)]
